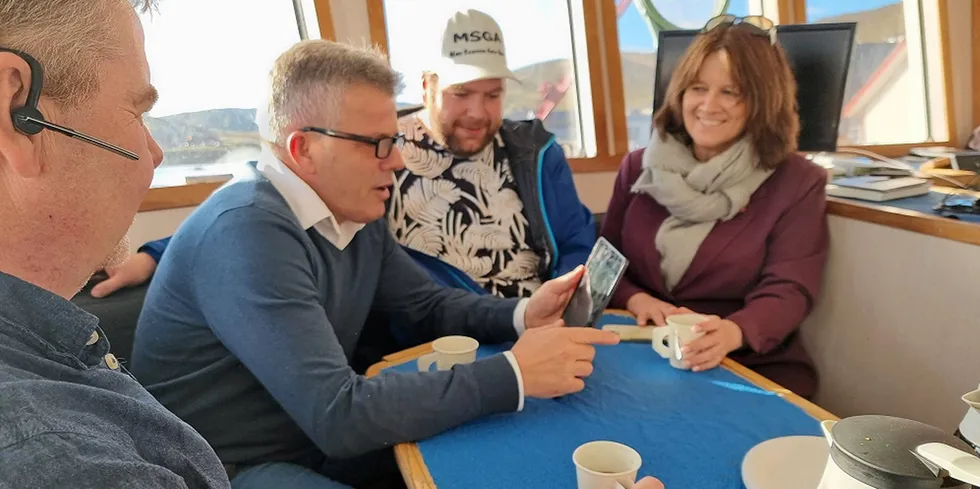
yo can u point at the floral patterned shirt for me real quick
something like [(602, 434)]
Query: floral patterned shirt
[(465, 211)]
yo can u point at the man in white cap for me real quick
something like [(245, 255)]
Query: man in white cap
[(484, 204)]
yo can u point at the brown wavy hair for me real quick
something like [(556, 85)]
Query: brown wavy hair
[(766, 83)]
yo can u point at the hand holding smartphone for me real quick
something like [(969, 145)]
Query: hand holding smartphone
[(603, 271)]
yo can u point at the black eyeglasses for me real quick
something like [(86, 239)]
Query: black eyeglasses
[(382, 146), (29, 120), (755, 24)]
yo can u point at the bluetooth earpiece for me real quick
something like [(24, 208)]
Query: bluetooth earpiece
[(28, 119), (24, 118)]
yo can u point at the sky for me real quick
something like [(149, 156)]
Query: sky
[(207, 54)]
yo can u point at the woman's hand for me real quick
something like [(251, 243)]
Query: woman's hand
[(721, 337), (647, 308)]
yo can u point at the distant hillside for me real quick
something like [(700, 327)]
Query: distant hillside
[(884, 24), (205, 136), (175, 130)]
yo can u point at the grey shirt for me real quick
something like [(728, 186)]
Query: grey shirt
[(71, 417)]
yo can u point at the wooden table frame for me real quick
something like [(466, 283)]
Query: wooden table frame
[(417, 476)]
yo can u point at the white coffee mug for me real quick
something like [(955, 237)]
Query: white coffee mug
[(668, 340), (605, 465), (449, 351)]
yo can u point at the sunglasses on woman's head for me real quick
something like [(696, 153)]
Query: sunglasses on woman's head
[(755, 24)]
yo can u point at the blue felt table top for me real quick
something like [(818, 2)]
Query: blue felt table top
[(691, 429)]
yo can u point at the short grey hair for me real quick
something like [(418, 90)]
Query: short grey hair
[(308, 81), (70, 38)]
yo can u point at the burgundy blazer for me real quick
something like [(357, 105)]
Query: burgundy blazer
[(762, 269)]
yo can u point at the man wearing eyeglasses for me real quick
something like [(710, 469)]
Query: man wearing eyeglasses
[(260, 303), (75, 164)]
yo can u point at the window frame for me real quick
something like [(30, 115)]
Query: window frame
[(606, 82), (324, 19)]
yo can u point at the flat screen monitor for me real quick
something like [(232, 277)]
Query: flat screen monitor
[(818, 54)]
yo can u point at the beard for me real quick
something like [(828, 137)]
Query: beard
[(120, 252), (455, 145), (447, 132), (118, 255)]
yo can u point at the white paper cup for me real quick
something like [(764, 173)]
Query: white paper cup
[(605, 465), (449, 351)]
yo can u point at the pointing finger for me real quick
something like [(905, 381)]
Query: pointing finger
[(593, 336)]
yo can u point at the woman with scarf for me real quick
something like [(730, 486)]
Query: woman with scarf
[(719, 214)]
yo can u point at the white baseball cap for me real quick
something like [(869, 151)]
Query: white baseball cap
[(472, 49)]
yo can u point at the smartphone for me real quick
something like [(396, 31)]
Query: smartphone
[(603, 271)]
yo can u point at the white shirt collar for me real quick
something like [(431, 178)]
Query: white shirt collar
[(308, 207)]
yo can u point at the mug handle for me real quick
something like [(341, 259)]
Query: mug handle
[(426, 361), (661, 333)]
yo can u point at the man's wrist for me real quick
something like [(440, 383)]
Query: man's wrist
[(520, 379), (520, 316)]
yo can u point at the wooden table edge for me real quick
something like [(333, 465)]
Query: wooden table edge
[(884, 214), (412, 464)]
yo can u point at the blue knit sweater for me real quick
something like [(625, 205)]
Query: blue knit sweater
[(251, 321)]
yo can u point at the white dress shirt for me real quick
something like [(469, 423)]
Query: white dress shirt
[(312, 212)]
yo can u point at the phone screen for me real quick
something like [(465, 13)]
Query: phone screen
[(603, 271)]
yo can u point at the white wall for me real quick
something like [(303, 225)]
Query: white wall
[(897, 329), (595, 189), (155, 225)]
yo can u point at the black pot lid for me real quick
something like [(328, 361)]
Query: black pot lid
[(878, 451)]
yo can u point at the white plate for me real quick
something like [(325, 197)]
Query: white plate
[(790, 461)]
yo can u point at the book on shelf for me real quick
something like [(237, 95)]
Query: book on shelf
[(878, 188)]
